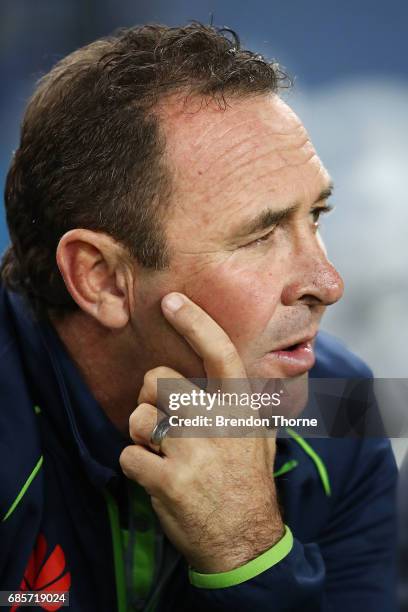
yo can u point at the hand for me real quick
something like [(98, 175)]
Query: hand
[(215, 497)]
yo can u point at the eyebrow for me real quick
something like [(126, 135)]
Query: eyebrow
[(268, 218)]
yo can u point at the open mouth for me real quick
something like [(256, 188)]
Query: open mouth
[(295, 358), (296, 348), (292, 347), (302, 343)]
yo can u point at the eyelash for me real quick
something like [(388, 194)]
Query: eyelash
[(320, 210)]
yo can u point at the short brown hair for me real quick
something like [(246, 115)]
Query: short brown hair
[(91, 153)]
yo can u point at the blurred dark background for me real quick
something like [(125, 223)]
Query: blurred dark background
[(349, 60)]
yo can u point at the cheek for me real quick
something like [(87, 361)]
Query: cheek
[(242, 302)]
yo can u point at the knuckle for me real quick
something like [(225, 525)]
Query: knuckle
[(144, 409), (140, 420), (178, 484), (134, 422), (148, 377), (126, 459), (152, 375), (162, 372)]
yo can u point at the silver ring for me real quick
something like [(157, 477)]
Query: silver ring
[(160, 431)]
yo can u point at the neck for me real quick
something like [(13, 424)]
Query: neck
[(105, 363)]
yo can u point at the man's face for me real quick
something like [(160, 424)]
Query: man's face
[(242, 237)]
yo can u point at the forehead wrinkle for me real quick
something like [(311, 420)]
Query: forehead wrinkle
[(180, 132), (299, 149), (279, 146), (273, 121), (285, 164), (248, 184), (215, 118), (272, 169), (239, 106), (211, 190), (221, 135), (278, 138), (214, 160), (256, 145), (249, 162)]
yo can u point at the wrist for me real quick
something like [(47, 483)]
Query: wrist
[(242, 547), (246, 572)]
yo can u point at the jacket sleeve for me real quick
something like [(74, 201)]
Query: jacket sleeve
[(350, 566)]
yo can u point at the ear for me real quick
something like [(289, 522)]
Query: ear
[(93, 267)]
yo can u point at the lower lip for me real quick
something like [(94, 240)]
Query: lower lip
[(297, 361)]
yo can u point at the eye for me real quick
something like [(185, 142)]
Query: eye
[(261, 240), (317, 212)]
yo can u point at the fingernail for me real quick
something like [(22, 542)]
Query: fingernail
[(173, 302)]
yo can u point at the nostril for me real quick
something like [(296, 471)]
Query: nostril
[(310, 300)]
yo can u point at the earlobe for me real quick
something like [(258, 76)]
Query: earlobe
[(93, 273)]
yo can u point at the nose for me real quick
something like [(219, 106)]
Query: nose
[(314, 280)]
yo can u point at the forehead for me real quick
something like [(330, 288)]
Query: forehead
[(251, 154)]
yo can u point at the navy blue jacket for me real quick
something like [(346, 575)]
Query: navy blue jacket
[(403, 535), (70, 520)]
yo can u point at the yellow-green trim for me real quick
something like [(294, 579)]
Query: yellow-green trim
[(118, 561), (286, 467), (23, 489), (251, 569), (143, 554), (321, 468)]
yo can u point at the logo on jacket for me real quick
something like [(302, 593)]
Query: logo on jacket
[(45, 574)]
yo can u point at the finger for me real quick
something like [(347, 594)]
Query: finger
[(206, 337), (142, 466), (142, 422), (149, 391)]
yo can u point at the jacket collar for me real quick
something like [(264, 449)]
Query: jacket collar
[(64, 396)]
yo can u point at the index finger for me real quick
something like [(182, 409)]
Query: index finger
[(205, 336)]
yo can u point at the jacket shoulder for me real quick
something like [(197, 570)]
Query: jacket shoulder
[(20, 447)]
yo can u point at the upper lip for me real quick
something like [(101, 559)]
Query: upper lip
[(299, 340)]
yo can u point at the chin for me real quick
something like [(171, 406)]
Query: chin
[(295, 396), (295, 389)]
